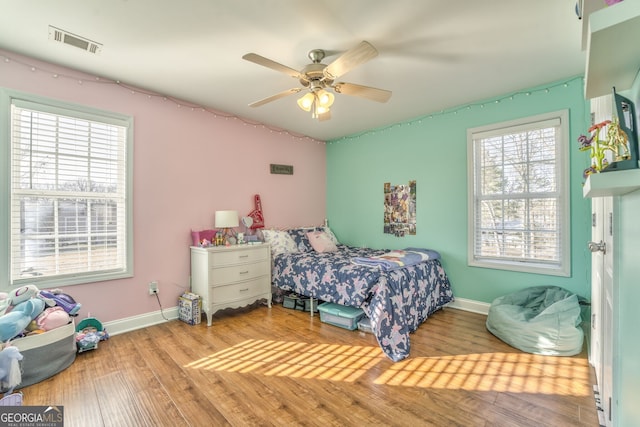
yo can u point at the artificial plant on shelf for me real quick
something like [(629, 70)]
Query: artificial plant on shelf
[(615, 140)]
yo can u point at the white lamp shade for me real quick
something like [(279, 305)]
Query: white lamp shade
[(325, 99), (306, 101), (226, 219)]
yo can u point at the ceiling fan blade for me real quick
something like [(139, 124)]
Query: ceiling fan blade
[(274, 97), (372, 93), (266, 62), (350, 59)]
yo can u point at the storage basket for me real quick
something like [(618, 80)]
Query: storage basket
[(198, 236), (298, 302), (46, 354)]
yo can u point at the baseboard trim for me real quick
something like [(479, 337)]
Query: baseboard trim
[(140, 321), (145, 320), (470, 305)]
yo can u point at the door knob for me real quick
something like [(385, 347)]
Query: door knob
[(598, 247)]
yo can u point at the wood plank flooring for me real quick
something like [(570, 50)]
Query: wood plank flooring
[(274, 367)]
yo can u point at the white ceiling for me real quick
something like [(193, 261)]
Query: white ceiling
[(433, 54)]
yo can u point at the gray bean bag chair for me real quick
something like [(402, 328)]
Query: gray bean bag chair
[(540, 320)]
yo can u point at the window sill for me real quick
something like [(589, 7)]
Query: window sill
[(611, 183), (521, 267)]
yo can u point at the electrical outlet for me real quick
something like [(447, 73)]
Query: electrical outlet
[(153, 288)]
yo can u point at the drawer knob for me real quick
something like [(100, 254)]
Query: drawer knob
[(244, 272)]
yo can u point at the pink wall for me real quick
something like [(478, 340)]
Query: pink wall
[(188, 163)]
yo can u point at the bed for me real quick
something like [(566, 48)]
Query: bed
[(397, 299)]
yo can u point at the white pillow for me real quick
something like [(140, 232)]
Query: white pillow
[(331, 236), (281, 242), (321, 242)]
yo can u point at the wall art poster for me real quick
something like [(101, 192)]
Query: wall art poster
[(400, 209)]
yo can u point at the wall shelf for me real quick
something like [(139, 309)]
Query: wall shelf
[(613, 183), (588, 7), (613, 51)]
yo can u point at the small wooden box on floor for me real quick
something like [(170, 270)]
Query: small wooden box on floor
[(231, 276)]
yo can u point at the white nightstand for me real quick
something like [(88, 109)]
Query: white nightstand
[(231, 276)]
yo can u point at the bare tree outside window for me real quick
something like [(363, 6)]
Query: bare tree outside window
[(69, 194), (517, 196)]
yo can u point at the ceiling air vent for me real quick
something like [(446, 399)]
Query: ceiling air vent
[(61, 36)]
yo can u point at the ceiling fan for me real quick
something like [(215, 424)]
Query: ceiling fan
[(318, 77)]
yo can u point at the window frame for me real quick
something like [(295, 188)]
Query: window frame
[(7, 98), (563, 267)]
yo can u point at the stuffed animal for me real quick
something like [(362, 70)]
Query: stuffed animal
[(23, 293), (33, 326), (14, 322), (26, 292), (58, 298), (5, 302), (51, 318), (10, 375), (22, 305)]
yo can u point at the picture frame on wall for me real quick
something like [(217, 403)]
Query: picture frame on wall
[(400, 209)]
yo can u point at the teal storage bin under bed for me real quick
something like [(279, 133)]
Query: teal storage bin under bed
[(340, 315), (541, 320)]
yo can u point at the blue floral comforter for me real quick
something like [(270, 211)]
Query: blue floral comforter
[(397, 301)]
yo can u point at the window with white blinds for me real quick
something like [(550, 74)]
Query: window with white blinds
[(70, 207), (518, 195)]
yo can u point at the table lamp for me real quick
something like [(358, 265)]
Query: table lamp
[(226, 220)]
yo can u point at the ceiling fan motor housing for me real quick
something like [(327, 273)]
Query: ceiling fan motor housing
[(312, 76), (316, 55)]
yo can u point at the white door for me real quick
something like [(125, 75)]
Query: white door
[(602, 272), (597, 270), (607, 309), (601, 246)]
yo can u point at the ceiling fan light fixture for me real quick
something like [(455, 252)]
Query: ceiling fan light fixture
[(325, 99), (306, 102), (318, 77), (321, 110)]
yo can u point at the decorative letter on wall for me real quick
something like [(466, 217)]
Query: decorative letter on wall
[(400, 209)]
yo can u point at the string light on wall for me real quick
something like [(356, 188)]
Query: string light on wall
[(298, 137), (152, 95), (466, 107)]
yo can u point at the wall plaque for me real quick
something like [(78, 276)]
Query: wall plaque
[(282, 169)]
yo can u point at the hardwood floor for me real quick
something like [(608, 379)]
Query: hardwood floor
[(259, 367)]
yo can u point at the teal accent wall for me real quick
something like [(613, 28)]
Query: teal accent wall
[(433, 151)]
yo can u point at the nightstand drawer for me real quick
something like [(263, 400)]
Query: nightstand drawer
[(221, 259), (237, 291), (237, 273)]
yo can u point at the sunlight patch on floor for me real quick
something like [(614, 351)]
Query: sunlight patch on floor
[(501, 372), (293, 359)]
